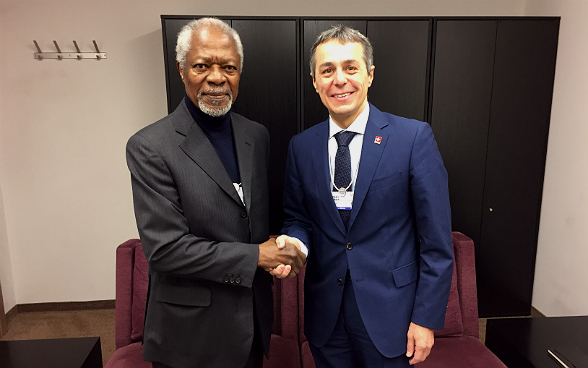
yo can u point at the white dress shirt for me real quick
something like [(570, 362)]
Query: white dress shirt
[(358, 126)]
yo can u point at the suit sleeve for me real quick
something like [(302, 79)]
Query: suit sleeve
[(430, 197), (164, 230), (297, 223)]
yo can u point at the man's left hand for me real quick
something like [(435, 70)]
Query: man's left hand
[(420, 342)]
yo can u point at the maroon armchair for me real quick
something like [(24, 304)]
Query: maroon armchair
[(457, 345), (131, 294), (284, 350)]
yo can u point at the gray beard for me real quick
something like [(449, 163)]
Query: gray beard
[(215, 111)]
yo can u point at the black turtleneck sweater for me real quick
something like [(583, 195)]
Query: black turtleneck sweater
[(220, 134)]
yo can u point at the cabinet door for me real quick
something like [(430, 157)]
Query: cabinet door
[(517, 143), (401, 57), (268, 94), (313, 110), (460, 113), (492, 87), (175, 87)]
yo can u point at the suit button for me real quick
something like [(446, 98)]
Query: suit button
[(226, 280), (243, 214), (349, 246), (340, 281), (238, 280)]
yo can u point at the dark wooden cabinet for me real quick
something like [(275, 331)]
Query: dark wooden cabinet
[(492, 88), (485, 86), (401, 56), (268, 94), (460, 113), (170, 27), (517, 145)]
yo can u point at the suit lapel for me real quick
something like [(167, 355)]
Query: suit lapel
[(200, 150), (244, 146), (371, 153), (320, 160)]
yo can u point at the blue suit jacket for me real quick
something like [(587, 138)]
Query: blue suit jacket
[(401, 257)]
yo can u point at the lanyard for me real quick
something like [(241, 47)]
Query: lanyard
[(342, 191)]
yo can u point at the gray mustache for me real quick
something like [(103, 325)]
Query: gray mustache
[(216, 91)]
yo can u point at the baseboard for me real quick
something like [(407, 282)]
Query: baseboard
[(11, 313), (58, 306), (536, 313)]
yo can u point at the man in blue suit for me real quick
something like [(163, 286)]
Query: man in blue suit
[(366, 197)]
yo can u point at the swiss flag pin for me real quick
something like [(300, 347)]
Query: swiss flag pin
[(378, 139)]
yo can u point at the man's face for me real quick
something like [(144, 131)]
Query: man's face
[(342, 80), (211, 72)]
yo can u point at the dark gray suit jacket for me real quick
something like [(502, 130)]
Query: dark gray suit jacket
[(201, 242)]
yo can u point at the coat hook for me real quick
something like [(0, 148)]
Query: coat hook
[(97, 51), (59, 56), (79, 56), (40, 53)]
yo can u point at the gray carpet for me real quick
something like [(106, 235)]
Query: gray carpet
[(63, 324)]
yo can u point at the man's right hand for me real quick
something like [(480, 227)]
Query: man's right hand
[(287, 255), (283, 271)]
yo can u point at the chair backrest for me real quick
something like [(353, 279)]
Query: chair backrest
[(462, 307), (465, 259), (286, 308), (131, 292), (132, 280), (300, 280), (131, 295)]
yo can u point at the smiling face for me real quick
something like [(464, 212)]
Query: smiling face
[(342, 80), (211, 72)]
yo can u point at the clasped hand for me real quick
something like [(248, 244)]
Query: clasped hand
[(281, 257)]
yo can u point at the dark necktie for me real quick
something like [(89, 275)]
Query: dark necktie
[(342, 177)]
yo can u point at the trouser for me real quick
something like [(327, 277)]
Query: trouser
[(255, 359), (350, 345)]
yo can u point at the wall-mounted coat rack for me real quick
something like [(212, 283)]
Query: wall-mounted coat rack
[(40, 55)]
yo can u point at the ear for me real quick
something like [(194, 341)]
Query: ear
[(371, 75), (180, 70), (314, 82)]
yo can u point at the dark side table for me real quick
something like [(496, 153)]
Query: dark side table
[(84, 352), (523, 342)]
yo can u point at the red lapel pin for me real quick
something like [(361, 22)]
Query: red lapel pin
[(378, 139)]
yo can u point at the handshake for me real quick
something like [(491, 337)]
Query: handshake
[(281, 257)]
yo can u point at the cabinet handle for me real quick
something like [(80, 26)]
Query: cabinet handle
[(491, 209)]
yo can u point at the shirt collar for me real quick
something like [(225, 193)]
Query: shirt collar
[(358, 125)]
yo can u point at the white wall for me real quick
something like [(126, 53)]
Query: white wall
[(561, 275), (64, 124), (64, 127)]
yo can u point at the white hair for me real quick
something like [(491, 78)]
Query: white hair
[(185, 37)]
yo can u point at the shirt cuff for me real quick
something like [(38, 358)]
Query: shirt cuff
[(303, 247)]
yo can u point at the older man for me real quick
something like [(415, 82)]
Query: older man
[(199, 179), (366, 192)]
